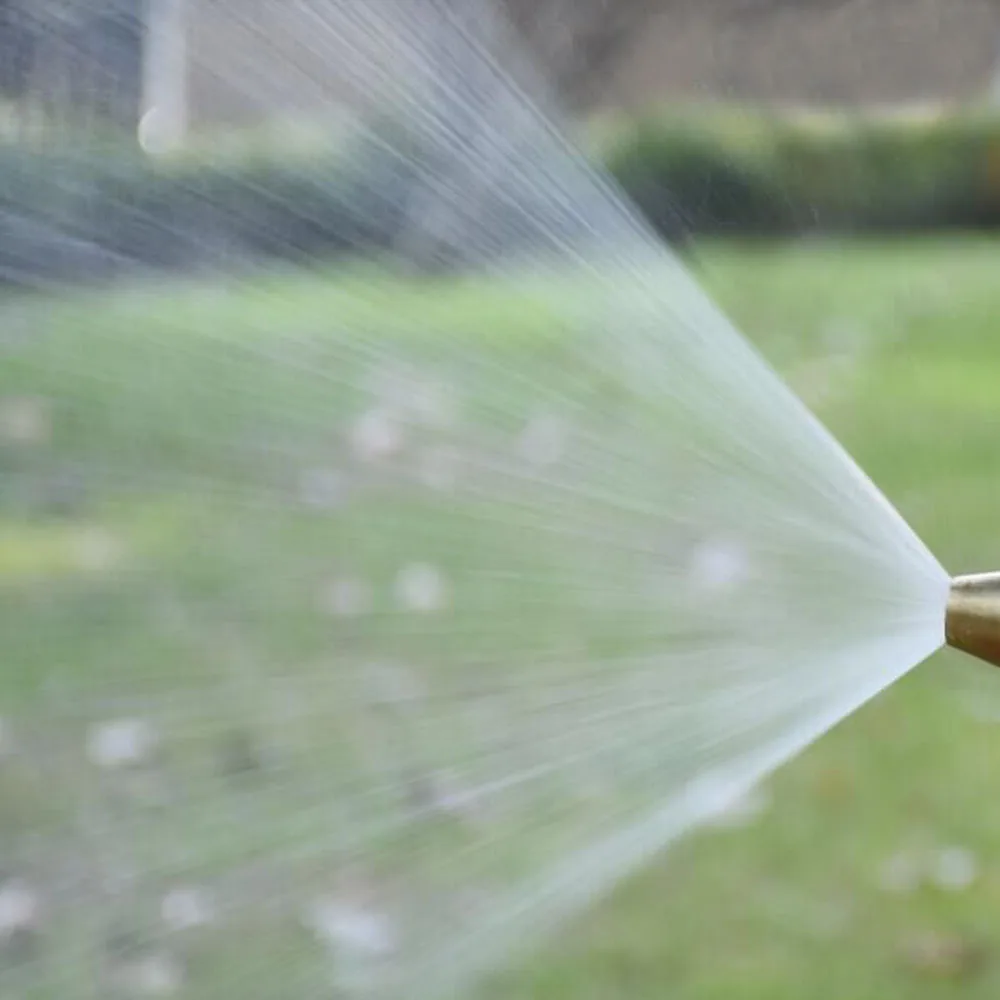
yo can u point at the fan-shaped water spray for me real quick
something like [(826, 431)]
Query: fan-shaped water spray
[(363, 621)]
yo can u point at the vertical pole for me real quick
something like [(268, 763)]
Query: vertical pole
[(164, 117), (995, 80)]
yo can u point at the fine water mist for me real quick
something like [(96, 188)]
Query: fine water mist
[(400, 548)]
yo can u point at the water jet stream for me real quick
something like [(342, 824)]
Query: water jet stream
[(402, 547)]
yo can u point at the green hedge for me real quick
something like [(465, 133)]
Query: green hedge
[(758, 173), (91, 213), (86, 213)]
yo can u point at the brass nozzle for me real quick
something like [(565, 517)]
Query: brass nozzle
[(972, 621)]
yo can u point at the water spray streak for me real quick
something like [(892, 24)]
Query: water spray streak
[(401, 548)]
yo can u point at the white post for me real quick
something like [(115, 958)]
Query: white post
[(164, 120)]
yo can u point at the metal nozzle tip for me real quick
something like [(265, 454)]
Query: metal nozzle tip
[(972, 620)]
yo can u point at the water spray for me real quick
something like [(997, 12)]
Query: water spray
[(359, 629)]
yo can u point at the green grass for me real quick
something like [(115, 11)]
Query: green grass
[(175, 441)]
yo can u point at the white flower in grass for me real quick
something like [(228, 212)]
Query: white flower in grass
[(421, 588), (347, 598), (20, 909), (186, 908), (25, 420), (346, 925), (376, 436), (954, 869), (121, 743)]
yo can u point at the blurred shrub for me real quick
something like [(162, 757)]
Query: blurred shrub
[(753, 173), (691, 179), (81, 213), (68, 216)]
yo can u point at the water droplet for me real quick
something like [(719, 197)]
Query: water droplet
[(187, 907), (376, 436), (719, 564), (421, 588), (346, 925), (20, 908), (543, 440), (121, 743), (954, 869)]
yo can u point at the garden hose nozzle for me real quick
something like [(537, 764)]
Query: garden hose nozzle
[(972, 621)]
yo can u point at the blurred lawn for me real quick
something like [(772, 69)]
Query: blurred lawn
[(796, 904), (896, 347)]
